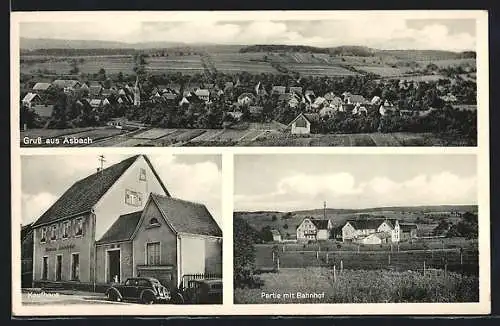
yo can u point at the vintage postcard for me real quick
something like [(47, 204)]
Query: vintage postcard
[(318, 163), (248, 79)]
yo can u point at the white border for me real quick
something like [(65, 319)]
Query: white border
[(228, 308)]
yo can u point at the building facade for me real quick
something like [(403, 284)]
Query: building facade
[(95, 233), (370, 231), (314, 229)]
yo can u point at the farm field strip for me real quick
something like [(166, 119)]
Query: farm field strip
[(154, 133), (362, 140), (207, 135), (384, 139), (49, 133), (187, 136)]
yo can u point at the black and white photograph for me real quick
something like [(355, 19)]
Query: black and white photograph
[(255, 79), (121, 229), (356, 229)]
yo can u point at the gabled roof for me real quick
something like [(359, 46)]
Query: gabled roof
[(275, 232), (296, 89), (62, 83), (320, 224), (84, 194), (41, 86), (354, 98), (310, 117), (249, 95), (202, 92), (187, 217), (95, 89), (122, 229), (30, 97), (279, 89), (365, 224), (407, 227)]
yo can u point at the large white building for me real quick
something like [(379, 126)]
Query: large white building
[(376, 231)]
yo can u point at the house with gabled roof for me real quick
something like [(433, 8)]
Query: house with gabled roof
[(357, 230), (119, 222), (314, 229), (278, 90), (31, 99), (304, 123), (41, 87)]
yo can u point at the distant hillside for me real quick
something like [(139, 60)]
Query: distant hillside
[(363, 51), (47, 43), (287, 222)]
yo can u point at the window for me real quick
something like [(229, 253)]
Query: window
[(75, 267), (142, 282), (154, 222), (79, 227), (54, 232), (65, 232), (142, 174), (43, 237), (153, 253), (133, 198), (45, 267)]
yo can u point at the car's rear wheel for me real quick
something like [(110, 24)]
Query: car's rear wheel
[(148, 298), (177, 298)]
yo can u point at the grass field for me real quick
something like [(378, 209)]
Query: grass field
[(377, 286)]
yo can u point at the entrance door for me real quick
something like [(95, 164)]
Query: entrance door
[(58, 267), (114, 266)]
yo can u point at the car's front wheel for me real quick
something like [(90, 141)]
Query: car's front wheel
[(113, 296), (177, 298)]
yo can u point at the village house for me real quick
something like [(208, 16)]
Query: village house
[(296, 90), (203, 94), (43, 110), (314, 229), (388, 108), (377, 229), (304, 123), (41, 87), (246, 99), (122, 222), (278, 90), (67, 85), (31, 99)]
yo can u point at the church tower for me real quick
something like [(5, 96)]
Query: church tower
[(137, 93)]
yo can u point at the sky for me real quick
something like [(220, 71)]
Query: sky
[(291, 182), (191, 177), (381, 32)]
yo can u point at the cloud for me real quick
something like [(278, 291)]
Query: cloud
[(342, 190), (378, 31), (45, 178)]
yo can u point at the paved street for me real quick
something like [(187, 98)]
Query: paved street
[(67, 298)]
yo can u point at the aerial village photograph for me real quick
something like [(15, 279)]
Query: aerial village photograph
[(121, 229), (367, 80), (355, 228)]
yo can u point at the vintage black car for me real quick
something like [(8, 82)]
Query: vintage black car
[(205, 291), (144, 289)]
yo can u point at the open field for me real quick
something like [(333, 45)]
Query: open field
[(188, 64), (376, 286), (413, 259), (246, 137)]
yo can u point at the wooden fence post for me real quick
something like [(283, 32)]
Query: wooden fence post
[(334, 274), (424, 267), (273, 256), (446, 271), (358, 248), (327, 258), (317, 255), (283, 248), (389, 259), (278, 264), (341, 266)]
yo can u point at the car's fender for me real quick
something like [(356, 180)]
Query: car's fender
[(114, 290), (146, 291)]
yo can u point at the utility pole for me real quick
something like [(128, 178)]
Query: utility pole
[(324, 210), (101, 161)]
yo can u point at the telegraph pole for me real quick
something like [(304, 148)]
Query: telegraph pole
[(101, 161), (324, 210)]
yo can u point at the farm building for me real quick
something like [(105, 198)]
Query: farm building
[(95, 90), (314, 229), (276, 235), (387, 109), (121, 222), (31, 99), (357, 230), (256, 111), (260, 90), (303, 123)]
